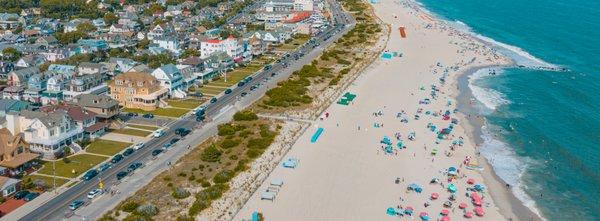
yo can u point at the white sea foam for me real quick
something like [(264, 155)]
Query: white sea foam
[(508, 166), (490, 98)]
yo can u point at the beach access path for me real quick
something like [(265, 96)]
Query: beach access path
[(345, 175)]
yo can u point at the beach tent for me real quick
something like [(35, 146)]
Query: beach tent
[(408, 210), (415, 187), (479, 187), (386, 55), (400, 145), (255, 216), (277, 182), (468, 214), (386, 140), (479, 211), (434, 180), (434, 196), (424, 216), (452, 188), (290, 163), (267, 196), (462, 205)]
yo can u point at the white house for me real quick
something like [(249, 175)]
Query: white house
[(169, 43), (46, 133), (231, 46), (169, 77), (303, 5)]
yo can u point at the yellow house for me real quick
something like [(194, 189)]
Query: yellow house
[(137, 90)]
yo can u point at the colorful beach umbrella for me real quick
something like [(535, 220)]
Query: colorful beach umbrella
[(424, 216), (471, 181), (468, 214), (434, 196), (390, 211), (452, 188), (479, 211), (462, 205), (445, 218), (445, 212)]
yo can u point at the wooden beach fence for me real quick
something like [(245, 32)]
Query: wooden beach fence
[(402, 30)]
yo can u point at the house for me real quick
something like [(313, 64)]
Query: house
[(13, 92), (218, 62), (224, 6), (47, 133), (31, 60), (48, 41), (8, 185), (54, 88), (123, 64), (92, 45), (160, 30), (102, 105), (303, 5), (55, 54), (9, 21), (61, 69), (83, 118), (137, 90), (5, 68), (169, 77), (10, 38), (10, 105), (15, 156), (91, 68), (169, 43), (19, 77), (85, 84), (36, 84), (118, 28), (99, 23), (256, 46), (231, 46), (72, 25)]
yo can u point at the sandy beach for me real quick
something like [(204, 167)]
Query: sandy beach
[(349, 174)]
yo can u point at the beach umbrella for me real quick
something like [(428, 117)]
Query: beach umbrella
[(434, 180), (391, 211), (468, 214), (479, 187), (477, 202), (445, 212), (452, 188), (434, 196), (424, 216), (471, 181), (462, 205), (479, 211), (445, 218)]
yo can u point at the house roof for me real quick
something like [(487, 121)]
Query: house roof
[(12, 105), (49, 119), (8, 144), (93, 100)]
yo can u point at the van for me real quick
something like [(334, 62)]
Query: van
[(158, 133)]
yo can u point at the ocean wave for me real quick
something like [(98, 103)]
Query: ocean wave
[(521, 57), (508, 166), (490, 98)]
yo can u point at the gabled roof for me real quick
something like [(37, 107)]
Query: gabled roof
[(93, 100)]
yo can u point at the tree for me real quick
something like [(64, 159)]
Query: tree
[(189, 52), (110, 18), (86, 27), (11, 54), (211, 154), (70, 37)]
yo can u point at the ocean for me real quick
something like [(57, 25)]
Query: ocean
[(542, 132)]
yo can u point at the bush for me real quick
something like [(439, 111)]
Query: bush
[(229, 143), (198, 206), (147, 210), (135, 217), (226, 129), (184, 218), (211, 154), (180, 193), (223, 176), (245, 115), (129, 206)]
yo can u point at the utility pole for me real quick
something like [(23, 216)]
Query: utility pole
[(54, 175)]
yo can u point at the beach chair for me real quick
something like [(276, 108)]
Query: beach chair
[(267, 196)]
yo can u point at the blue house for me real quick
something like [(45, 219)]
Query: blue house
[(92, 45)]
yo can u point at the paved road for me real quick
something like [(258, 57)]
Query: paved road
[(57, 208)]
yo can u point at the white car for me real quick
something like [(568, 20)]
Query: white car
[(94, 193), (158, 133), (138, 146)]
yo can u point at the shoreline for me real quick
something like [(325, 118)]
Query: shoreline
[(505, 199)]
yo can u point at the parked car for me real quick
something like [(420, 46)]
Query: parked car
[(182, 131), (117, 158), (174, 140), (228, 91), (138, 146), (158, 133), (132, 114), (94, 193), (213, 100), (134, 166), (200, 118), (241, 84), (90, 174), (104, 167), (75, 204), (148, 116), (156, 152), (128, 152), (19, 195), (121, 175), (30, 196), (243, 94), (166, 146)]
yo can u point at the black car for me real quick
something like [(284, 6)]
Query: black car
[(156, 152), (241, 84), (121, 175), (200, 118), (273, 74), (19, 195), (128, 152), (30, 196), (182, 131), (228, 91), (174, 140), (213, 100), (132, 114), (149, 116), (90, 174), (117, 158), (134, 166), (243, 94)]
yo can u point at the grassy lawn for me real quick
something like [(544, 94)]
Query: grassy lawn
[(187, 104), (106, 147), (167, 112), (49, 181), (144, 127), (211, 91), (132, 132), (79, 163)]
